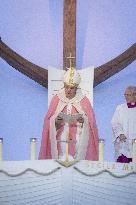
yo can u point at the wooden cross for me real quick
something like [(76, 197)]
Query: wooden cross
[(69, 32), (40, 75)]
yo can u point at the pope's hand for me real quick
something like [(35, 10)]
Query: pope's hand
[(58, 121), (80, 119)]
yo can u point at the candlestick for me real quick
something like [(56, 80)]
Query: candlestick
[(33, 148), (1, 149), (134, 151), (67, 141), (101, 149), (67, 151)]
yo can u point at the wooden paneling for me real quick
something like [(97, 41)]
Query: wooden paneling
[(36, 73), (114, 66)]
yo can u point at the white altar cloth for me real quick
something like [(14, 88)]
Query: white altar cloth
[(42, 182)]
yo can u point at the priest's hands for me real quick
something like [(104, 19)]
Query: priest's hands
[(122, 138), (59, 121), (80, 119)]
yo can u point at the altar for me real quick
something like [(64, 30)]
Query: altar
[(41, 182)]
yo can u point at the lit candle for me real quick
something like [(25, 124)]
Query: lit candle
[(1, 149), (33, 148), (134, 151), (101, 149)]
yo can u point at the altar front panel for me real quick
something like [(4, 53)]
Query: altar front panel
[(47, 182)]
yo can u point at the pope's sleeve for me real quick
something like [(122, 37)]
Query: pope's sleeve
[(93, 137), (45, 149), (87, 108)]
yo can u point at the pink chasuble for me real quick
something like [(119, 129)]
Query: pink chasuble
[(92, 146), (72, 133)]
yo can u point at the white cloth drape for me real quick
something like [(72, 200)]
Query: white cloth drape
[(124, 122)]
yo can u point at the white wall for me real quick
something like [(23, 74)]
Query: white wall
[(34, 30)]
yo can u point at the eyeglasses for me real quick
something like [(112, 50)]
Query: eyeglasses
[(128, 95)]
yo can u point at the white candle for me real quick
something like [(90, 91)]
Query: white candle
[(101, 149), (1, 149), (134, 151), (33, 148)]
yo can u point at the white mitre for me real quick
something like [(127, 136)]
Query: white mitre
[(71, 77)]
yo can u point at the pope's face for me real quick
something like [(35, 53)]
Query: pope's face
[(70, 91), (129, 96)]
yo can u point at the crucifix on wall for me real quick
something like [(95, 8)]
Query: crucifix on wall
[(70, 58), (40, 75)]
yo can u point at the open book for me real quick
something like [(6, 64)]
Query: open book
[(70, 118)]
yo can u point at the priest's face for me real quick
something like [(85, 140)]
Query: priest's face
[(129, 96), (70, 91)]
